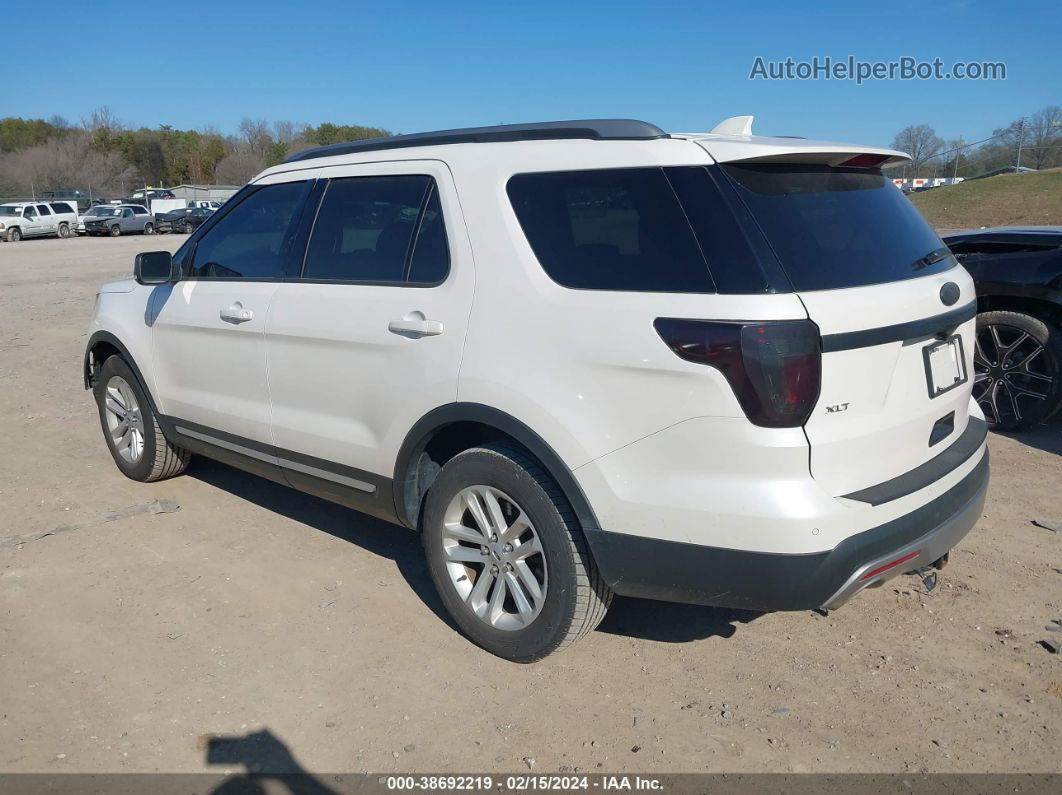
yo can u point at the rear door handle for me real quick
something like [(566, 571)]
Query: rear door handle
[(236, 313), (415, 325)]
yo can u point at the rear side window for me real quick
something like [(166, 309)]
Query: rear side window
[(837, 227), (253, 240), (139, 210), (617, 229), (378, 230), (62, 207)]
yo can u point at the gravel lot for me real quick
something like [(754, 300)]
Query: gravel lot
[(255, 611)]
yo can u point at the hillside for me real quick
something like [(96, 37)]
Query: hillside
[(1008, 199)]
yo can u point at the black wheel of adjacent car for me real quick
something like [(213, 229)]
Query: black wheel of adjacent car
[(115, 230), (14, 235), (188, 227), (1017, 369), (508, 557), (132, 432), (64, 231), (149, 229)]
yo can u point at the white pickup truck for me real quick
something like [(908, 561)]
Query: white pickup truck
[(37, 219)]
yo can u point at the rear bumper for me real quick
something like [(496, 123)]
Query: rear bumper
[(678, 572)]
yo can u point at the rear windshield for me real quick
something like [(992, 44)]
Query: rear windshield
[(838, 227)]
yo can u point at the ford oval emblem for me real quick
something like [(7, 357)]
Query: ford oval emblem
[(949, 293)]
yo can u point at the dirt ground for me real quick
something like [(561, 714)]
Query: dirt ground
[(129, 640)]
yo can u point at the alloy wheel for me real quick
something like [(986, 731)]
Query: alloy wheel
[(1011, 375), (494, 557), (124, 421)]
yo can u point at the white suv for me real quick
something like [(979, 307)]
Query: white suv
[(581, 358), (37, 219)]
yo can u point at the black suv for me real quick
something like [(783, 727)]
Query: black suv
[(1018, 356)]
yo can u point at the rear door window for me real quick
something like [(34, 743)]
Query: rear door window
[(610, 229), (43, 209), (378, 230), (838, 227)]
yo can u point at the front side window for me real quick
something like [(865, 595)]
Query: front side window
[(368, 229), (615, 229), (29, 212), (253, 240)]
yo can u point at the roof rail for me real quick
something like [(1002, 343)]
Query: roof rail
[(594, 129)]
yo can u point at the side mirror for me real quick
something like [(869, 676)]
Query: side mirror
[(153, 267)]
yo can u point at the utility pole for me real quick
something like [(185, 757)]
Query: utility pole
[(958, 154), (1021, 138)]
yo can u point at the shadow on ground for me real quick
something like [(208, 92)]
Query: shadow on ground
[(266, 759), (1046, 437), (637, 618)]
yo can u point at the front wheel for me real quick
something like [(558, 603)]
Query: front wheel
[(1017, 369), (14, 235), (508, 557), (132, 432), (115, 230)]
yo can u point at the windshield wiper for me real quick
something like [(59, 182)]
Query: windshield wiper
[(932, 258)]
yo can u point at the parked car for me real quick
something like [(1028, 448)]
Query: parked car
[(36, 219), (119, 219), (185, 220), (582, 358), (1018, 355)]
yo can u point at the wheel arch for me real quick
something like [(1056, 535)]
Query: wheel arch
[(102, 345), (450, 429), (1043, 308)]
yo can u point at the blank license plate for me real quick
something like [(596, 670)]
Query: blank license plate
[(945, 365)]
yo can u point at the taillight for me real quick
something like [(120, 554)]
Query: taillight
[(773, 366)]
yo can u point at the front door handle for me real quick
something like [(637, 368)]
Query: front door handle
[(236, 314), (414, 325)]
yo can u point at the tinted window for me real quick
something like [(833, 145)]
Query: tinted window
[(364, 228), (610, 230), (29, 212), (431, 254), (61, 207), (43, 208), (252, 241), (837, 227), (139, 211), (998, 247)]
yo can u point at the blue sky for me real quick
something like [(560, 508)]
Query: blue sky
[(412, 65)]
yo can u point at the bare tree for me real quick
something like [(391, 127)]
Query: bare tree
[(238, 167), (1043, 134), (922, 143), (67, 162), (255, 134)]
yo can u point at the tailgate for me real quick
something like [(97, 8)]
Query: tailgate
[(879, 413), (895, 311)]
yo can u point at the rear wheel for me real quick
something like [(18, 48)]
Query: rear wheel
[(508, 557), (1017, 369), (64, 231), (132, 432), (149, 229)]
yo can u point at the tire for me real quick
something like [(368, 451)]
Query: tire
[(573, 598), (149, 229), (115, 230), (187, 228), (64, 231), (156, 457), (14, 235), (1017, 369)]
